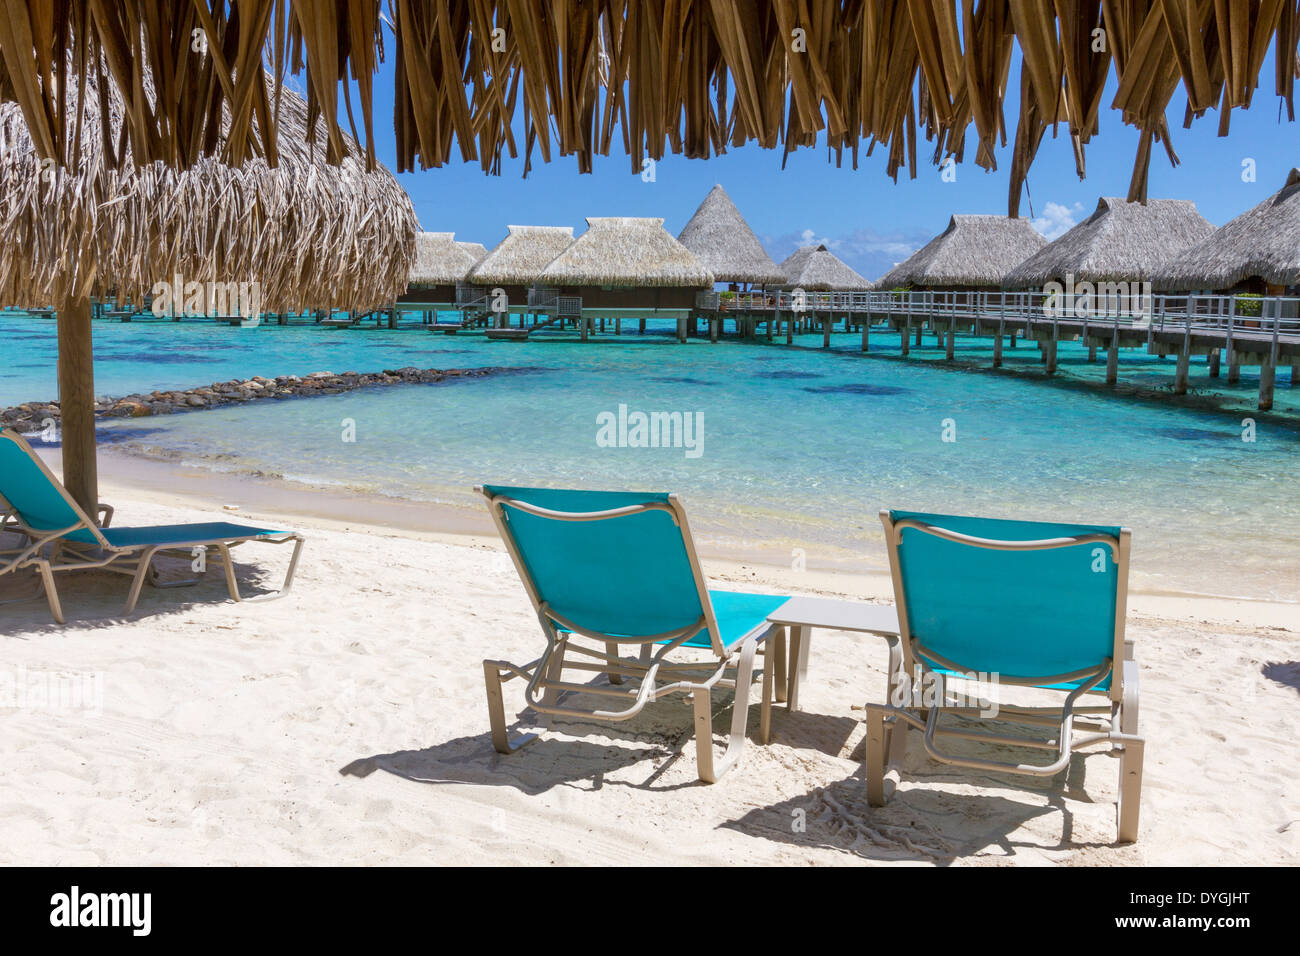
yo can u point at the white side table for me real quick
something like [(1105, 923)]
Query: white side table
[(802, 614)]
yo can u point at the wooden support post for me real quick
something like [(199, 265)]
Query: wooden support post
[(1092, 353), (866, 331), (640, 326), (714, 322), (826, 331), (1180, 373), (1013, 338), (952, 341), (789, 329), (681, 331), (768, 326), (1295, 367), (997, 349), (1213, 362), (905, 340), (919, 329), (76, 367), (584, 324), (1234, 368), (1112, 358), (1049, 355), (618, 326), (1267, 371)]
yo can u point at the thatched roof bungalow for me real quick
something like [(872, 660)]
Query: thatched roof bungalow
[(440, 263), (974, 252), (721, 239), (817, 269), (517, 260), (476, 249), (1259, 251), (1120, 242), (626, 263)]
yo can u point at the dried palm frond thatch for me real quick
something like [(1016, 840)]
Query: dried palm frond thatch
[(520, 257), (973, 252), (309, 233), (1121, 241), (575, 76), (476, 250), (816, 269), (1262, 243), (626, 252), (440, 260), (723, 241)]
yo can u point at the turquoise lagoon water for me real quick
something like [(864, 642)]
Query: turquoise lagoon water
[(801, 446)]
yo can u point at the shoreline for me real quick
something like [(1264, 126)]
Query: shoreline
[(125, 476)]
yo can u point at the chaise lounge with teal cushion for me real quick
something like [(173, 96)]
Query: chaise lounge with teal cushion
[(608, 571), (57, 536), (1025, 604)]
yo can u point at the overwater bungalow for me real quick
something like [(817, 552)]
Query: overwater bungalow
[(1120, 242), (515, 263), (974, 252), (628, 266), (1258, 251), (817, 269), (440, 264), (721, 239)]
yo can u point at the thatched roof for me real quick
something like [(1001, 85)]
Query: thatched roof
[(520, 257), (816, 269), (695, 78), (1121, 241), (627, 252), (1262, 243), (310, 234), (439, 260), (973, 251), (476, 249), (723, 241)]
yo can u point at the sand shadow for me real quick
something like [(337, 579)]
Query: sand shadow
[(1286, 673), (568, 753), (95, 599)]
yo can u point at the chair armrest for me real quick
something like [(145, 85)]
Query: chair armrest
[(105, 515)]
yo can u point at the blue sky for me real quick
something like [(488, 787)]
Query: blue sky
[(862, 215)]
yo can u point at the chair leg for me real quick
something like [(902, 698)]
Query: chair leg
[(876, 749), (765, 709), (137, 582), (51, 592), (611, 648), (711, 772), (1130, 790), (501, 741)]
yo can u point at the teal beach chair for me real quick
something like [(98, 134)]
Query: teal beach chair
[(1019, 604), (57, 536), (609, 571)]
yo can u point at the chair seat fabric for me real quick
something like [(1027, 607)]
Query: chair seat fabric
[(177, 535)]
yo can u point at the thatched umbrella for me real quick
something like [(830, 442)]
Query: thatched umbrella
[(1120, 242), (519, 258), (1262, 244), (306, 233), (817, 269), (973, 252), (440, 260), (723, 241)]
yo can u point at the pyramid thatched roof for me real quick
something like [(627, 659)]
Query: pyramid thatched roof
[(723, 241), (1121, 241), (1262, 243), (627, 252), (816, 269), (310, 234), (520, 257), (439, 260), (974, 251)]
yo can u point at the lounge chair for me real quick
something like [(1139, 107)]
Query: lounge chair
[(60, 537), (1029, 604), (618, 570)]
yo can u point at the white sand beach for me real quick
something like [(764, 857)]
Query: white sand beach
[(347, 724)]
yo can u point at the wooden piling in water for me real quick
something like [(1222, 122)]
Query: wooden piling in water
[(1180, 373), (1267, 370), (1212, 360)]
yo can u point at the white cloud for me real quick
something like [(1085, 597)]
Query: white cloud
[(1057, 219)]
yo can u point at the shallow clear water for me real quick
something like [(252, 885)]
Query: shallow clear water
[(801, 447)]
